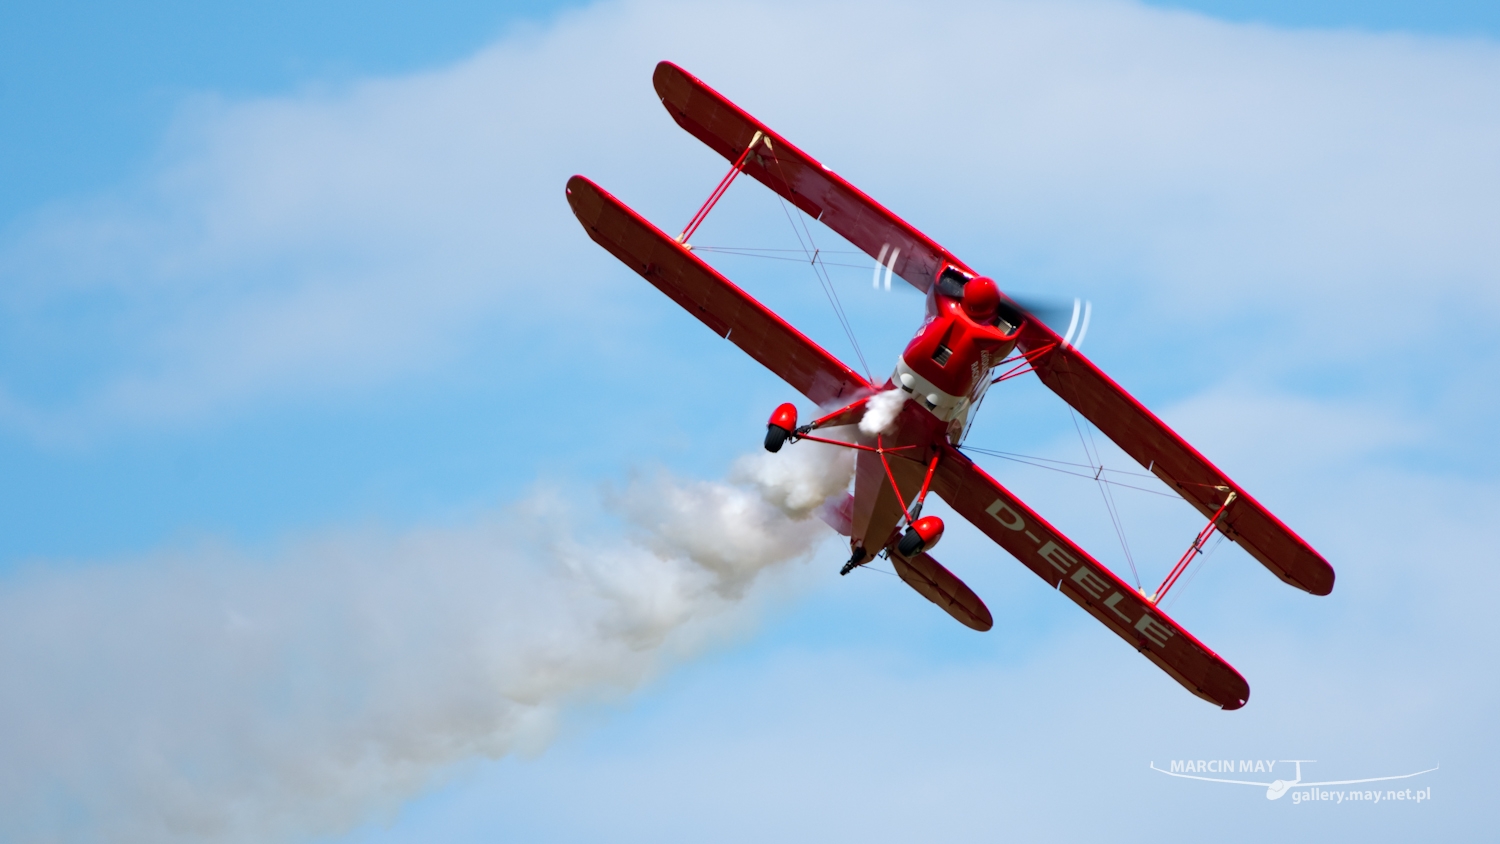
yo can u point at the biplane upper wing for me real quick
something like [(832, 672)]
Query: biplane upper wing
[(1002, 517), (717, 302), (805, 183), (1157, 447), (820, 192)]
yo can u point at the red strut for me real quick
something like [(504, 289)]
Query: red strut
[(1193, 550), (713, 198)]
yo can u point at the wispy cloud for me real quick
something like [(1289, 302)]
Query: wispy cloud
[(1334, 186)]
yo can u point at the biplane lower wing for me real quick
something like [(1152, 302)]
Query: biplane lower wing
[(1140, 434), (715, 300), (1002, 517), (799, 179)]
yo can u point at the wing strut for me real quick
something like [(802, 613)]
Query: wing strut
[(724, 183), (727, 310), (1004, 518), (804, 182), (1027, 364), (1193, 550)]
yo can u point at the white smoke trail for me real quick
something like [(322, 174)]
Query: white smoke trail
[(880, 411), (210, 696)]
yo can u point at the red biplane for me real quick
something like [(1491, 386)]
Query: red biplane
[(971, 328)]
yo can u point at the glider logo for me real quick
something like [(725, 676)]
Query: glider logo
[(1302, 792)]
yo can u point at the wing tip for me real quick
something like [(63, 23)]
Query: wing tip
[(584, 198), (1320, 584), (1327, 588), (1237, 694), (665, 74)]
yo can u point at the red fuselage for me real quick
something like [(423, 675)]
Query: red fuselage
[(944, 372), (946, 367)]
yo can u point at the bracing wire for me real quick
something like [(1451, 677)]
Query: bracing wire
[(1027, 460), (822, 274), (759, 253), (757, 250), (1202, 564), (1041, 463), (1110, 496), (822, 271), (1010, 455), (827, 284), (1098, 465)]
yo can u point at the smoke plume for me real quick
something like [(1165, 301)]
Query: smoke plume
[(880, 411), (217, 695)]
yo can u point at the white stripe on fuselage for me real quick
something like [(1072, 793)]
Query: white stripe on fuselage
[(944, 406)]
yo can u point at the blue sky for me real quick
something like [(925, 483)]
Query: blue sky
[(307, 374)]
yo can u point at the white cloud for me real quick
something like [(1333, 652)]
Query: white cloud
[(1337, 185)]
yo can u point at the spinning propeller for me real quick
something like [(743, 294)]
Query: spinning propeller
[(1054, 315), (1014, 310)]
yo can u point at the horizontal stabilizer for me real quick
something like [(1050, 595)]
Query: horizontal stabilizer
[(942, 587)]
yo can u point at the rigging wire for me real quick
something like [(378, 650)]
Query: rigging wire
[(754, 253), (821, 273), (771, 249), (1025, 460), (1110, 494), (1098, 465), (1202, 564), (1012, 454), (827, 284)]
